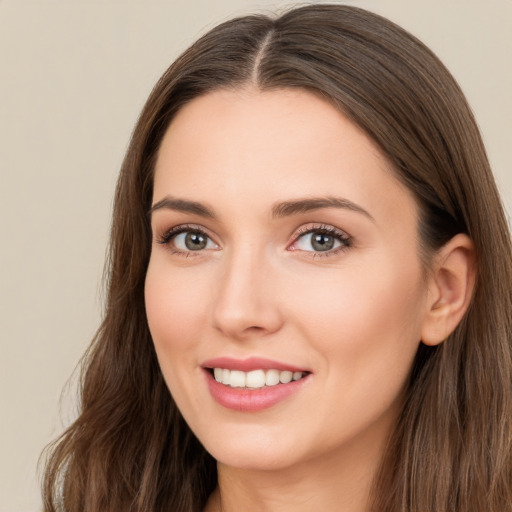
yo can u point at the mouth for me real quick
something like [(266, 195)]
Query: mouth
[(255, 379), (253, 384)]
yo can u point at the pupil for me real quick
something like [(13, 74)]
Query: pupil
[(195, 241), (321, 242)]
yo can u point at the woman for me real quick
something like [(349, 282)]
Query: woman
[(309, 287)]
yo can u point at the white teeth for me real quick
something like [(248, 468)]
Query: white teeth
[(272, 377), (254, 379), (285, 377), (237, 379)]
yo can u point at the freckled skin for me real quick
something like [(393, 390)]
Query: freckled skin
[(353, 316)]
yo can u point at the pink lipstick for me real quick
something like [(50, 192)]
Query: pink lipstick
[(252, 384)]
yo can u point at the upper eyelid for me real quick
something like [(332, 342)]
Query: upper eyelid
[(345, 239), (302, 230), (312, 227), (182, 228), (186, 227)]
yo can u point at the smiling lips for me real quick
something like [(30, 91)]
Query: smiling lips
[(252, 384), (255, 379)]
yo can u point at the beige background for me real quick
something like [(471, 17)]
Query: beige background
[(73, 76)]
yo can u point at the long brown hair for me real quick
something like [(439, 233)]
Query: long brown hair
[(451, 450)]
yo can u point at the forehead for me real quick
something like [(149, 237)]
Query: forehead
[(249, 148)]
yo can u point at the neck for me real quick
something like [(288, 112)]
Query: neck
[(341, 481)]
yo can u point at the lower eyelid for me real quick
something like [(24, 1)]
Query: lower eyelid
[(326, 254), (168, 238), (338, 241), (344, 240)]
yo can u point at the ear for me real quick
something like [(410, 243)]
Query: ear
[(450, 288)]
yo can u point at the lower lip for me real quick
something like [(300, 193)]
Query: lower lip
[(252, 400)]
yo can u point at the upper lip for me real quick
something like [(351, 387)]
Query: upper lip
[(249, 364)]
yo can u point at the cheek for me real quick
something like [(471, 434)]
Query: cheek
[(364, 328), (360, 297), (365, 322), (175, 309)]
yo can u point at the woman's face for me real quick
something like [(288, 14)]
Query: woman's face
[(284, 248)]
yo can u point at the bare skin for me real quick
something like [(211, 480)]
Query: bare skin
[(336, 289)]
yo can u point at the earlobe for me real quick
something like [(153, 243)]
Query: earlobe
[(451, 284)]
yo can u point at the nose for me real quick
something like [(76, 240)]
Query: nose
[(246, 303)]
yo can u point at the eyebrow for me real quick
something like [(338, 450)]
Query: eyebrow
[(182, 205), (279, 210), (305, 205)]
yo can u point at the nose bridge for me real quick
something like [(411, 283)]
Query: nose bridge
[(245, 303)]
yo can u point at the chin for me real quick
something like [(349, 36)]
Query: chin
[(258, 452), (254, 460)]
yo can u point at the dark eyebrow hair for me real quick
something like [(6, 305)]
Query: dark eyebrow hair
[(182, 205), (283, 209), (297, 206)]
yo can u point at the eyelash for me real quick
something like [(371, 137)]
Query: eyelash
[(172, 233), (323, 229)]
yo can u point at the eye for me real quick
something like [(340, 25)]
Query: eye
[(193, 241), (184, 239), (317, 241), (325, 239)]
